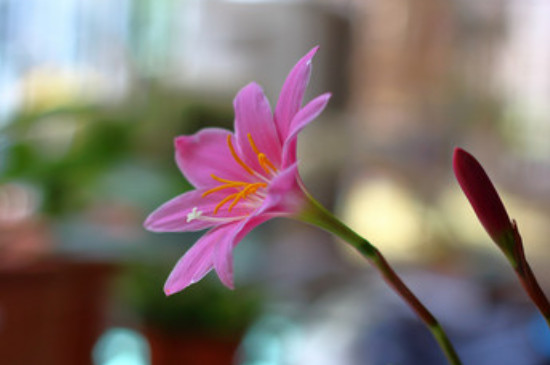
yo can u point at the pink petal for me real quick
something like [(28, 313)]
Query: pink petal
[(292, 93), (197, 261), (306, 115), (285, 195), (223, 253), (172, 215), (253, 116), (205, 153), (214, 249)]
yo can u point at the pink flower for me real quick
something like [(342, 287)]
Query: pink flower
[(241, 179), (484, 199)]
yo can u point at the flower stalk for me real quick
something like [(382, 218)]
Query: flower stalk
[(317, 215), (527, 277), (244, 178)]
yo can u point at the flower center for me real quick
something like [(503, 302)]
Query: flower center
[(242, 190)]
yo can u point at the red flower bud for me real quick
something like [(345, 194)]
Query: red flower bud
[(484, 199)]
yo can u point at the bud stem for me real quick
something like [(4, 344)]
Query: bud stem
[(528, 279)]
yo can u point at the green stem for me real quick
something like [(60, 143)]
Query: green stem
[(527, 277), (533, 289), (317, 215)]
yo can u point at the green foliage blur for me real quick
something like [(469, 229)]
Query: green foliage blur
[(207, 308), (80, 155), (65, 152)]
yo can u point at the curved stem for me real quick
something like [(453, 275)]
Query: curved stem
[(317, 215), (533, 289), (527, 277)]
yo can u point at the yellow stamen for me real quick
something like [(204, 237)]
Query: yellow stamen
[(224, 200), (265, 163), (236, 157), (227, 181), (250, 188), (227, 184), (262, 158), (252, 144), (218, 188), (244, 189)]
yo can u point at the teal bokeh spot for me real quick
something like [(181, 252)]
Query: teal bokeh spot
[(122, 346)]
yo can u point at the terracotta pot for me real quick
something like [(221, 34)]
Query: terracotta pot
[(190, 349)]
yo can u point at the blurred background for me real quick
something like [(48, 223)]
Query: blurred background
[(92, 93)]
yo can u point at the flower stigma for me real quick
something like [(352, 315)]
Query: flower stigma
[(194, 214)]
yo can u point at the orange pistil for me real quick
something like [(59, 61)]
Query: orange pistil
[(244, 189)]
